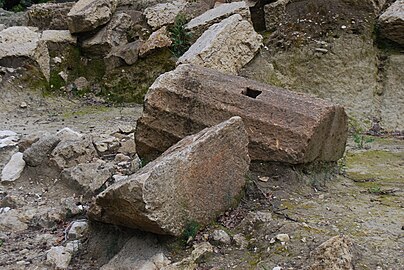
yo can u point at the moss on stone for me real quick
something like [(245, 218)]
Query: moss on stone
[(130, 83)]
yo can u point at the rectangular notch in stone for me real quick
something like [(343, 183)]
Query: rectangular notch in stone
[(252, 93)]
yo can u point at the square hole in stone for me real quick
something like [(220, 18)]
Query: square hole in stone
[(252, 93)]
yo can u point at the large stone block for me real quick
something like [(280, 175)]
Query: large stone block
[(87, 15), (201, 23), (163, 14), (226, 46), (282, 125), (114, 34), (20, 44), (193, 181), (49, 15), (392, 22)]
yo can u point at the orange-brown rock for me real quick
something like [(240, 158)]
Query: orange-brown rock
[(282, 125), (194, 181)]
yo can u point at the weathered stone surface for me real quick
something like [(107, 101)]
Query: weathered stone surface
[(87, 15), (113, 34), (31, 138), (78, 230), (88, 177), (124, 54), (20, 44), (336, 253), (12, 221), (8, 138), (39, 151), (392, 105), (282, 125), (59, 257), (226, 46), (73, 152), (138, 252), (193, 181), (273, 12), (392, 22), (201, 23), (158, 39), (66, 134), (163, 14), (49, 15), (13, 169), (58, 37), (10, 18)]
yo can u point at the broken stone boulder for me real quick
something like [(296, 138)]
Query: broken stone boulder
[(337, 253), (73, 152), (87, 15), (49, 15), (19, 45), (115, 33), (124, 54), (282, 125), (58, 37), (163, 14), (38, 152), (191, 183), (13, 169), (226, 46), (391, 22), (201, 23), (158, 39), (88, 177)]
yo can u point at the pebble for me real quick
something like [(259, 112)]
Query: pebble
[(23, 105), (221, 237), (283, 237)]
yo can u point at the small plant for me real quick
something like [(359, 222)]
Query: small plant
[(356, 129), (375, 189), (190, 231), (1, 243), (361, 140), (180, 37)]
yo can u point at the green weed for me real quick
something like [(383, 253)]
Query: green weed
[(180, 37)]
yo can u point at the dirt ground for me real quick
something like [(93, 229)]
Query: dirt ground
[(364, 201)]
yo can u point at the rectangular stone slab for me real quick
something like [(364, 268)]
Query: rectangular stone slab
[(193, 182), (283, 126)]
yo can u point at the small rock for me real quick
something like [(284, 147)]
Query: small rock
[(23, 105), (78, 230), (221, 237), (66, 134), (13, 169), (81, 83), (72, 206), (7, 133), (59, 257), (263, 178), (335, 254), (73, 246), (277, 268), (121, 157), (57, 60), (128, 148), (63, 75), (40, 150), (240, 240), (321, 50), (283, 237)]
